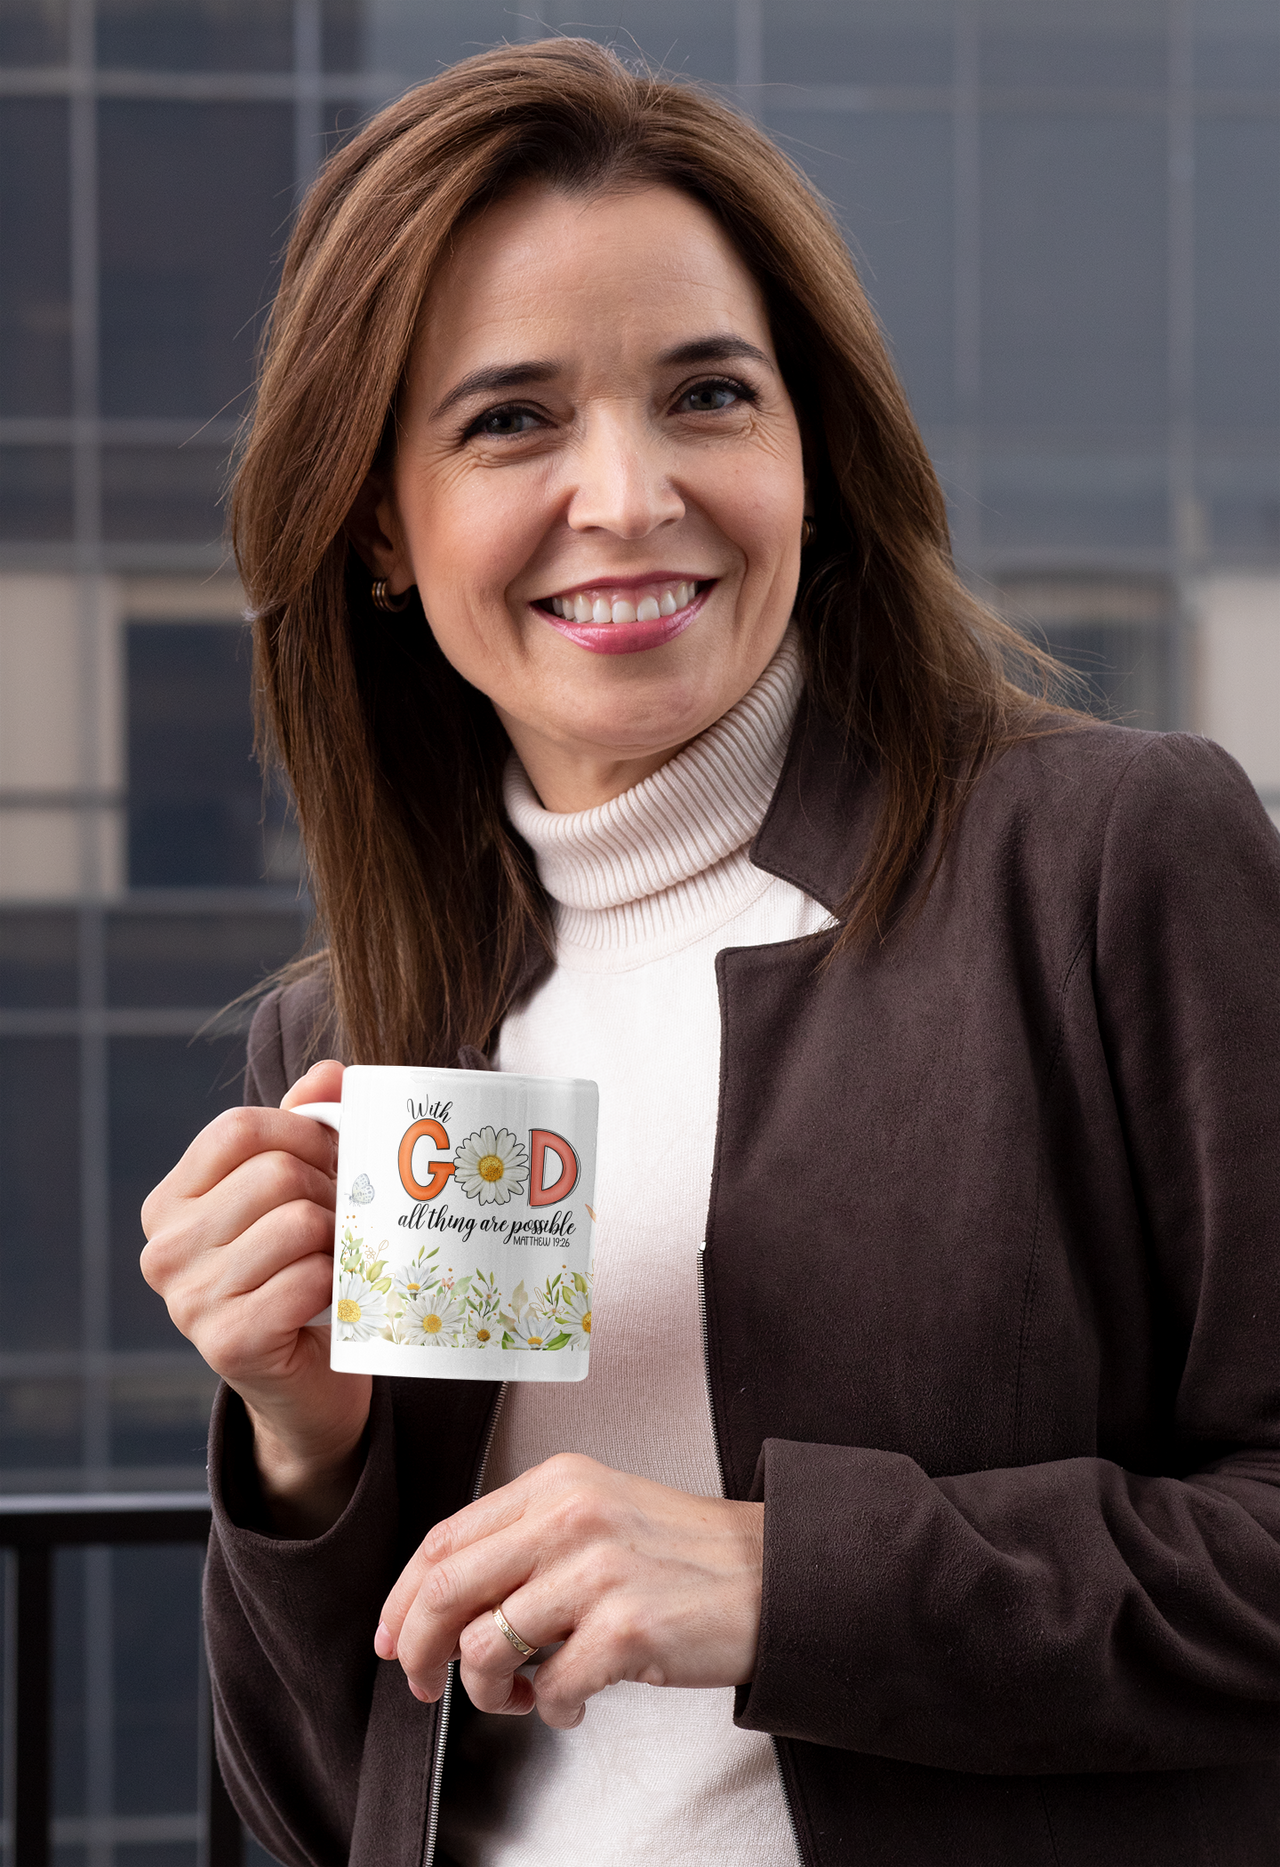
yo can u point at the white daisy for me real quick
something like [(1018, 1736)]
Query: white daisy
[(432, 1319), (361, 1309), (410, 1281), (574, 1311), (528, 1325), (530, 1332), (490, 1166), (483, 1332)]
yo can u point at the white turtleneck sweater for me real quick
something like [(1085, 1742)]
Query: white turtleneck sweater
[(647, 889)]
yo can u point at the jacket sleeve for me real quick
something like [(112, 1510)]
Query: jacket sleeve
[(289, 1633), (289, 1624), (1073, 1615)]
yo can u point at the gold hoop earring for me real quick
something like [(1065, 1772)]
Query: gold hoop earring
[(808, 532), (392, 605)]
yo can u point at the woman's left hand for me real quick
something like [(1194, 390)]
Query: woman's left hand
[(638, 1581)]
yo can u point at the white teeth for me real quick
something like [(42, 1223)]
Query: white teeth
[(592, 606)]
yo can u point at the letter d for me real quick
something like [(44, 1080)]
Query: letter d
[(540, 1139)]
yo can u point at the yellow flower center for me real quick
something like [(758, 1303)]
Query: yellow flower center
[(586, 1323), (482, 1335), (489, 1167), (348, 1310), (431, 1325), (535, 1341), (413, 1289)]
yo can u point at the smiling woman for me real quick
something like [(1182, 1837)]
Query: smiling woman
[(499, 280), (641, 730)]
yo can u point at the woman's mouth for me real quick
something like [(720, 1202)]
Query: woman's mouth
[(608, 605), (620, 619)]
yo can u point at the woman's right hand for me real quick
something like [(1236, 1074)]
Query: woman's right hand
[(240, 1246)]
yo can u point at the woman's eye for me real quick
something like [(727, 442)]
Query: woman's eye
[(500, 421), (706, 398)]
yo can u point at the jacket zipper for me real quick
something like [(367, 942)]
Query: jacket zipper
[(715, 1440), (442, 1726)]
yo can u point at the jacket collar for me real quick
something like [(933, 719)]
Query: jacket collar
[(818, 826)]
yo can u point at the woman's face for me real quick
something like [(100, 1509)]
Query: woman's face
[(599, 486)]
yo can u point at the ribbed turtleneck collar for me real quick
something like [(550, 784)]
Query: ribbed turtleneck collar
[(666, 862)]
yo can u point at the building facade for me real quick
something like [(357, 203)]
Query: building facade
[(1067, 214)]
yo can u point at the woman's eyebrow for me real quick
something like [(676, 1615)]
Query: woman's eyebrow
[(717, 348), (498, 377)]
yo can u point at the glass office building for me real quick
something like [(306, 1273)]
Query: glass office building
[(1067, 214)]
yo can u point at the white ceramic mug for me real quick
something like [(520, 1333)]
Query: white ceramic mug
[(462, 1241)]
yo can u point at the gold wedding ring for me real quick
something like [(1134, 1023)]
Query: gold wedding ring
[(522, 1647)]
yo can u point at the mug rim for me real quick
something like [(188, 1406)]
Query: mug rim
[(480, 1076)]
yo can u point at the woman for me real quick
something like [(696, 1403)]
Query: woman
[(641, 729)]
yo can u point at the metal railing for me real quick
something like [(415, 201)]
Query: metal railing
[(34, 1527)]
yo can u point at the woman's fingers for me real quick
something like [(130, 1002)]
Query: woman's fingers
[(249, 1333), (200, 1266), (423, 1634), (322, 1083), (269, 1183), (461, 1532), (231, 1139), (240, 1246), (636, 1580)]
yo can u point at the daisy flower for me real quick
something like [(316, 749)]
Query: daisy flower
[(490, 1166), (361, 1309), (484, 1300), (574, 1310), (528, 1325), (532, 1332), (432, 1319), (411, 1280)]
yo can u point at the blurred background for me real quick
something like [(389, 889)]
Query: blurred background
[(1067, 214)]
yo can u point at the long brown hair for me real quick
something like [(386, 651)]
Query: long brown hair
[(429, 903)]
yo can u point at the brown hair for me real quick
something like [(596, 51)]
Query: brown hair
[(430, 904)]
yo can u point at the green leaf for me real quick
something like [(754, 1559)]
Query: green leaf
[(580, 1283), (383, 1284), (558, 1341), (509, 1342)]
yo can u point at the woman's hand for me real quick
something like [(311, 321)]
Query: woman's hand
[(639, 1582), (240, 1246)]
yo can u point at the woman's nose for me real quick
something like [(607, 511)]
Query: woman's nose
[(623, 484)]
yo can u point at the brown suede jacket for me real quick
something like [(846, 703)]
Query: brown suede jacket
[(992, 1275)]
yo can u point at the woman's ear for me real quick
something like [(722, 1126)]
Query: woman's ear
[(373, 526)]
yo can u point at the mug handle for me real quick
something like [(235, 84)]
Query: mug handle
[(330, 1115)]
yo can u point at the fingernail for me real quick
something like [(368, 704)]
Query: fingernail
[(383, 1645), (418, 1693)]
